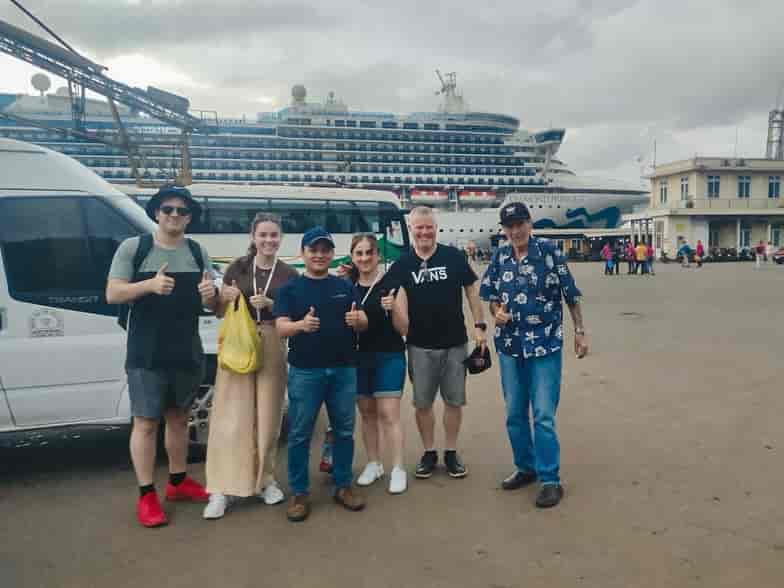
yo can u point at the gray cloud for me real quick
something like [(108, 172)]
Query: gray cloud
[(617, 73)]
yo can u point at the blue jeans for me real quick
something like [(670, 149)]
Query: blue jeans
[(308, 389), (534, 382)]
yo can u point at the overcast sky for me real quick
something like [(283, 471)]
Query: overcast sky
[(691, 75)]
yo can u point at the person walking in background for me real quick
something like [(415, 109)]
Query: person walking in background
[(246, 414), (318, 314), (381, 370), (650, 255), (525, 284), (759, 254), (607, 256), (617, 256), (699, 253), (684, 251), (167, 279), (641, 257), (630, 257), (435, 276), (769, 251)]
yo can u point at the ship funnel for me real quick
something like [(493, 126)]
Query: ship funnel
[(775, 148)]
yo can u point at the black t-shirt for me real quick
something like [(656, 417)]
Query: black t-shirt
[(333, 345), (435, 296), (381, 336)]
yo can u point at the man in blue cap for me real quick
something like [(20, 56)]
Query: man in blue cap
[(318, 313), (524, 284), (166, 280)]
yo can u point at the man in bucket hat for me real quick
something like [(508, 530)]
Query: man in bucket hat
[(524, 284), (166, 280)]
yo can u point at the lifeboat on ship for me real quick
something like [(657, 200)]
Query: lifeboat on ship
[(477, 197), (429, 196)]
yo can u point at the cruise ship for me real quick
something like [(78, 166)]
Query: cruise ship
[(454, 157)]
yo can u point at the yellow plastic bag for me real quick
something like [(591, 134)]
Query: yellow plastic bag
[(239, 345)]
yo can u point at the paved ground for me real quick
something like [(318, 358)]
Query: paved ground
[(672, 451)]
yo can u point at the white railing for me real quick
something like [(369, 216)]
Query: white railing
[(724, 204)]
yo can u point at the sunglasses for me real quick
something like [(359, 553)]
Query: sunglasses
[(181, 210)]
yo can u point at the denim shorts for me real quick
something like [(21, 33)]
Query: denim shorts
[(381, 374)]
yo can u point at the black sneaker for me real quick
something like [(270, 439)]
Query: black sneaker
[(518, 479), (549, 495), (454, 465), (427, 464)]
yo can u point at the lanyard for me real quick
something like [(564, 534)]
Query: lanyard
[(266, 287), (376, 281)]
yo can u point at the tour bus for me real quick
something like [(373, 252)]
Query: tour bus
[(62, 352), (228, 211)]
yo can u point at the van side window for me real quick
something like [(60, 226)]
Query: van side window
[(57, 251)]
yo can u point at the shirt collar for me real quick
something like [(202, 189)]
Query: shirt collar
[(534, 249)]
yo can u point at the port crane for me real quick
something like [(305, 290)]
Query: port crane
[(83, 74)]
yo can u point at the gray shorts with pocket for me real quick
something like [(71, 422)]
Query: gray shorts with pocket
[(434, 370), (153, 391)]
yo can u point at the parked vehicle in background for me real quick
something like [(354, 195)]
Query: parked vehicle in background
[(778, 255), (62, 353)]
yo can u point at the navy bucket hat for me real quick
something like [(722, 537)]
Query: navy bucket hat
[(173, 192)]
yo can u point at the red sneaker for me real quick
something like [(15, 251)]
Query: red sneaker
[(149, 511), (188, 490)]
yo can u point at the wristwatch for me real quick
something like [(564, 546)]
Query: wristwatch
[(579, 331), (482, 325)]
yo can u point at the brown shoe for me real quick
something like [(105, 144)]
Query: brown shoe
[(349, 499), (298, 508)]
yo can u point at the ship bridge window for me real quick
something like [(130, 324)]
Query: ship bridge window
[(389, 125), (410, 126), (351, 123), (368, 124), (340, 123), (431, 126)]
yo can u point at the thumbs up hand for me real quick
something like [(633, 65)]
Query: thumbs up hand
[(502, 315), (388, 301), (259, 301), (161, 284), (229, 293), (356, 319), (311, 323), (206, 289)]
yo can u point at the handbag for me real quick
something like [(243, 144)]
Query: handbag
[(239, 345)]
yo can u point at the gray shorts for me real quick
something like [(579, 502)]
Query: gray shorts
[(432, 370), (153, 392)]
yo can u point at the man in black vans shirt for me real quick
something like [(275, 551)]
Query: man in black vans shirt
[(166, 280), (435, 277)]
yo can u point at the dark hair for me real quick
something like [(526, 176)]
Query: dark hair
[(356, 240), (261, 217)]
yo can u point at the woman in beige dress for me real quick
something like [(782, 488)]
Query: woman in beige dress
[(246, 414)]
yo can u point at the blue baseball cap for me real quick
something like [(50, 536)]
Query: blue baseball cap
[(312, 236)]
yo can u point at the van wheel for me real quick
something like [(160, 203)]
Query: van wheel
[(199, 424)]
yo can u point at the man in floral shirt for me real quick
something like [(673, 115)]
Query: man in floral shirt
[(524, 285)]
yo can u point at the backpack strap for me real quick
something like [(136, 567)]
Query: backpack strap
[(145, 246), (196, 252)]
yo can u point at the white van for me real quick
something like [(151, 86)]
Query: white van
[(62, 352)]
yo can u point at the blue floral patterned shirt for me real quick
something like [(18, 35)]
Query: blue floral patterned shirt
[(531, 289)]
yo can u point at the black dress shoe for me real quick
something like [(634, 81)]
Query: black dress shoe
[(549, 495), (518, 480)]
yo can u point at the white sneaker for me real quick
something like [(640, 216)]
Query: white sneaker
[(372, 472), (216, 507), (272, 494), (398, 480)]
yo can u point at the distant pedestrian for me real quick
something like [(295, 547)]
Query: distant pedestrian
[(684, 251), (699, 253), (769, 253), (759, 254), (641, 257), (630, 256), (649, 259), (607, 256), (617, 256)]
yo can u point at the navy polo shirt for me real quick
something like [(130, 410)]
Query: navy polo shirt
[(334, 344)]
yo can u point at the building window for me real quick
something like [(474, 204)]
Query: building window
[(745, 236), (774, 186), (713, 237), (662, 191), (713, 186), (685, 188), (775, 235), (744, 186)]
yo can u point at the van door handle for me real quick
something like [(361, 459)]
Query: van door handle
[(3, 320)]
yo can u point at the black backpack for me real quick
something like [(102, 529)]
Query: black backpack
[(145, 246)]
